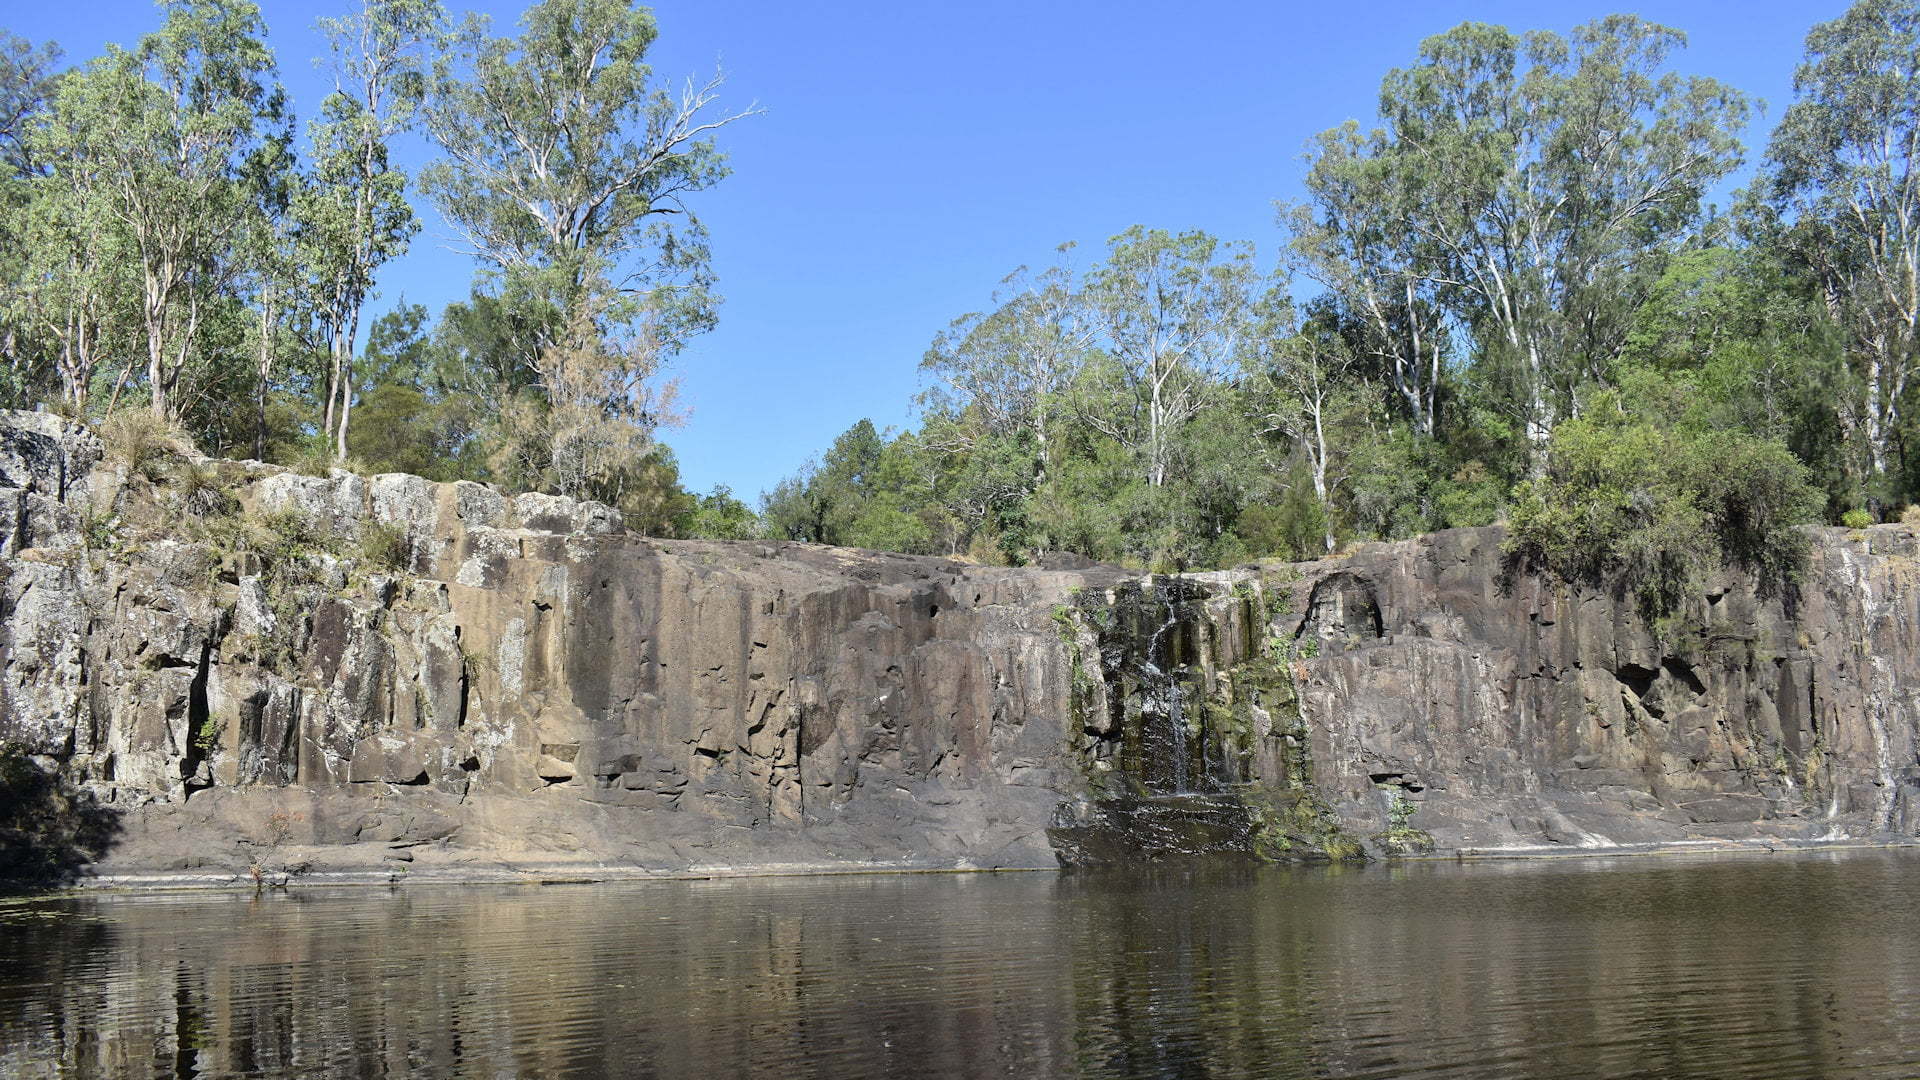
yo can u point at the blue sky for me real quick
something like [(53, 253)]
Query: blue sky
[(912, 154)]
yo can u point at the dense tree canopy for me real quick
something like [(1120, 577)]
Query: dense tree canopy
[(1505, 297)]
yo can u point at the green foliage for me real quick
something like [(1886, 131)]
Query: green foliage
[(99, 532), (1454, 219), (314, 457), (383, 547), (718, 516), (1838, 200), (1293, 529), (869, 492), (566, 169), (1626, 498), (206, 740), (1400, 837), (1856, 519), (156, 146)]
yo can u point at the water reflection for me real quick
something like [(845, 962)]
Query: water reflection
[(1803, 966)]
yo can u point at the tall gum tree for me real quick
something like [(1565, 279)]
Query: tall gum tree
[(567, 171), (1011, 366), (1520, 193), (354, 217), (26, 82), (160, 136), (1170, 310), (1840, 181)]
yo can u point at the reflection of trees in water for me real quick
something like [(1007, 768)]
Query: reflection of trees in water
[(1683, 971), (1206, 983), (50, 995), (748, 979)]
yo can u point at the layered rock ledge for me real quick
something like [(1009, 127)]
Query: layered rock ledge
[(224, 671)]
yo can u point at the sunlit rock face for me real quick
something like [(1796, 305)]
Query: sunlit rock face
[(1513, 710), (252, 672)]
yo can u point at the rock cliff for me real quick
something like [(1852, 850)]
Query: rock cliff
[(224, 670)]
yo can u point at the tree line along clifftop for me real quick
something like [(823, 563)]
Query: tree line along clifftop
[(1507, 297)]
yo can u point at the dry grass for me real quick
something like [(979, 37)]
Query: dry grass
[(148, 446)]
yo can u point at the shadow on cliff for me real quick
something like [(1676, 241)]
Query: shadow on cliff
[(49, 831)]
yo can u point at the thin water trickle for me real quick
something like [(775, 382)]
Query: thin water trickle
[(1727, 967), (1166, 697)]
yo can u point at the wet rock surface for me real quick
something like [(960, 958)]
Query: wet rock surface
[(410, 678)]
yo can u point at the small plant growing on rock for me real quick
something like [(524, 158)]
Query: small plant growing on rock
[(207, 739), (203, 496), (99, 532), (1856, 519), (1400, 837), (262, 866), (145, 444), (382, 546)]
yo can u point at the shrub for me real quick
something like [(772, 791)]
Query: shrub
[(1625, 499), (315, 458), (383, 546), (145, 444), (203, 496), (1856, 519)]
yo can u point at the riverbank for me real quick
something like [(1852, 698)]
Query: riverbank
[(465, 873)]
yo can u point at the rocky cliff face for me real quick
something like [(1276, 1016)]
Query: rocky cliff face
[(219, 670)]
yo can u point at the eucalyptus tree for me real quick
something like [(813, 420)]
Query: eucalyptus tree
[(1349, 238), (27, 75), (354, 217), (1170, 311), (280, 290), (1523, 191), (1297, 376), (1840, 179), (78, 282), (1010, 367), (158, 137), (568, 171)]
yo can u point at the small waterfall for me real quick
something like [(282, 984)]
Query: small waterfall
[(1150, 661), (1182, 670), (1163, 692)]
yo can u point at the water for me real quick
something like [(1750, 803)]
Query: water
[(1742, 966), (1146, 653)]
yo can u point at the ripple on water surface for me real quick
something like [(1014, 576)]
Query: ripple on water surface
[(1749, 966)]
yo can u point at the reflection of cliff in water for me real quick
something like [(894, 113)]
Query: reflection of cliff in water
[(1679, 968)]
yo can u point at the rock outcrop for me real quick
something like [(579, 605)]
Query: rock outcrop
[(257, 673)]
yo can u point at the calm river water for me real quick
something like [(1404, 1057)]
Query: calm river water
[(1756, 965)]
